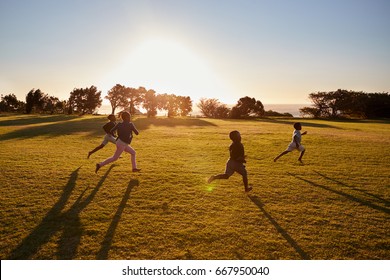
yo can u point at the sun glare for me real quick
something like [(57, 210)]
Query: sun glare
[(170, 67)]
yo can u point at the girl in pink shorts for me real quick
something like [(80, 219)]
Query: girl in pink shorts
[(125, 131)]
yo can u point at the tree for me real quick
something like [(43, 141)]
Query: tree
[(326, 104), (150, 103), (134, 98), (85, 101), (29, 101), (212, 108), (319, 100), (222, 112), (52, 104), (60, 106), (310, 111), (169, 103), (349, 104), (208, 106), (185, 105), (34, 100), (271, 113), (117, 97), (343, 103), (377, 105), (10, 103), (247, 107)]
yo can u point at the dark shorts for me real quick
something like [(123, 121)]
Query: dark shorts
[(235, 166)]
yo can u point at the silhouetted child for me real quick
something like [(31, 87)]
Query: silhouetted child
[(295, 143), (109, 137), (125, 131), (235, 162)]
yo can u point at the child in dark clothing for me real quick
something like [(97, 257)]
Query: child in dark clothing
[(235, 162), (109, 137), (125, 135)]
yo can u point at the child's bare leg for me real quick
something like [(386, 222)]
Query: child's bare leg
[(245, 180), (95, 150), (282, 154), (300, 157), (219, 176)]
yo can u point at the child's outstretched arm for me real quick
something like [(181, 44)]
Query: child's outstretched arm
[(135, 130), (304, 133), (112, 131)]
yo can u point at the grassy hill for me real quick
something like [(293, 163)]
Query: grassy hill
[(53, 206)]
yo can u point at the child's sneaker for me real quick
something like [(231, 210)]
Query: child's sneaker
[(210, 179), (248, 189), (136, 169)]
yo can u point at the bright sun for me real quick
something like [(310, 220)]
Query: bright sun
[(170, 67)]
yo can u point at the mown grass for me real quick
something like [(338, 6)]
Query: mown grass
[(53, 205)]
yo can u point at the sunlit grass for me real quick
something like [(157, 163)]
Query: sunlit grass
[(335, 206)]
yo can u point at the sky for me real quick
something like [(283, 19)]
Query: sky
[(275, 51)]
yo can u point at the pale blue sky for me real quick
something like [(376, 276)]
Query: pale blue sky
[(277, 51)]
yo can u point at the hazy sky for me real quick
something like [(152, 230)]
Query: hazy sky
[(276, 51)]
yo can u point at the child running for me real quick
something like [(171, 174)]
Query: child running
[(125, 131), (109, 137), (235, 162), (295, 143)]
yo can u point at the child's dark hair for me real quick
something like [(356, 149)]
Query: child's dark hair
[(111, 117), (297, 125), (125, 116), (233, 135)]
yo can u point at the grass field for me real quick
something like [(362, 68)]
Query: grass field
[(53, 205)]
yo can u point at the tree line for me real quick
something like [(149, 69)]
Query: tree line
[(87, 100), (333, 104), (348, 104), (132, 99)]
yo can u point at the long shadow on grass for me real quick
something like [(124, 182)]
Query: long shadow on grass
[(68, 223), (23, 120), (287, 121), (304, 124), (380, 199), (106, 244), (67, 126), (325, 122), (346, 195), (145, 123), (60, 126), (283, 232)]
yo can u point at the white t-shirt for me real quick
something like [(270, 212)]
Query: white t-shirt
[(297, 135), (292, 146)]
